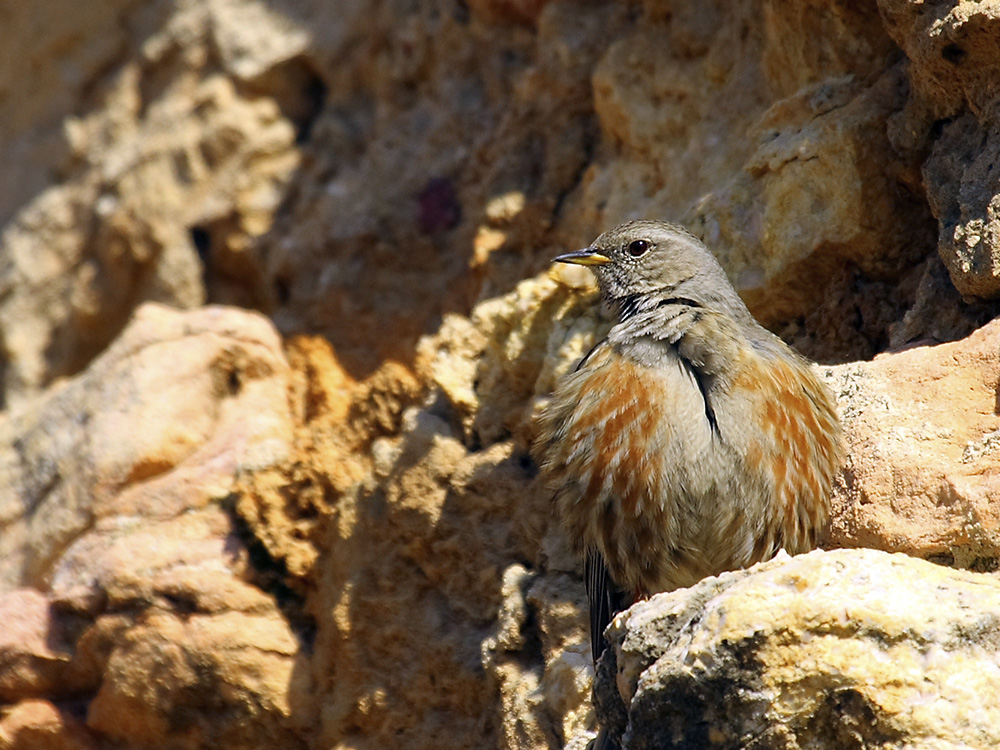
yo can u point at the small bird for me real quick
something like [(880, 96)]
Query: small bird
[(691, 440)]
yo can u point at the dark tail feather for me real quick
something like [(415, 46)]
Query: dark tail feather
[(605, 600), (603, 741)]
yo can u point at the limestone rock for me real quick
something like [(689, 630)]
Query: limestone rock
[(787, 188), (422, 141), (845, 649), (211, 535), (411, 582), (965, 197), (338, 425), (140, 173), (532, 696), (951, 49), (938, 312), (923, 437), (42, 725), (444, 593), (33, 655), (142, 601), (953, 109), (220, 408), (822, 190)]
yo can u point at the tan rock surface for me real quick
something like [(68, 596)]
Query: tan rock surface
[(822, 160), (220, 407), (33, 655), (144, 605), (41, 725), (845, 649), (133, 169), (923, 452), (440, 595)]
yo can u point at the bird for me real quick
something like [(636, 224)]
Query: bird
[(691, 440)]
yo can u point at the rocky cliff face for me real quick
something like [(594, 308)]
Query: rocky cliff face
[(277, 315)]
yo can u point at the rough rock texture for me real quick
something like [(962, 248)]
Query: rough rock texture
[(953, 88), (444, 609), (213, 533), (954, 92), (139, 159), (922, 474), (827, 650), (131, 609)]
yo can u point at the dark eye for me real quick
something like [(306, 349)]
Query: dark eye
[(637, 248)]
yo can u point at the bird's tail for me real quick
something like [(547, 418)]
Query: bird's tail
[(603, 741)]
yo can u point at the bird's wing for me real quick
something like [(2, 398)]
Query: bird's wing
[(605, 600)]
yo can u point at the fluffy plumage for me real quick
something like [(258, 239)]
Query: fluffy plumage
[(691, 440)]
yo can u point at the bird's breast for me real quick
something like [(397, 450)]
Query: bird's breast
[(616, 423), (628, 447), (668, 494)]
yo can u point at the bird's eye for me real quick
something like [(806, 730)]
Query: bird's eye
[(637, 248)]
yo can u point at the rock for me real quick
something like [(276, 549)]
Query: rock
[(220, 408), (418, 227), (42, 725), (140, 174), (965, 197), (923, 436), (339, 422), (33, 656), (820, 192), (559, 686), (951, 53), (215, 534), (938, 313), (953, 109), (143, 602), (845, 649), (410, 585)]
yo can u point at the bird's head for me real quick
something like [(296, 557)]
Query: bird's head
[(650, 261)]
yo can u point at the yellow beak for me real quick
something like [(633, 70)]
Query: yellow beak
[(585, 257)]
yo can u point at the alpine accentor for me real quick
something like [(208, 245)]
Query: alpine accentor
[(691, 440)]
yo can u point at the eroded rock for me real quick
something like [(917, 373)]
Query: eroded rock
[(921, 474), (207, 540), (143, 605), (952, 110), (144, 175), (853, 648)]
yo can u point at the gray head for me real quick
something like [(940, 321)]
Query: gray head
[(641, 263)]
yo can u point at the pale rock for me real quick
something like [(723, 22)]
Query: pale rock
[(818, 193), (115, 512), (560, 684), (922, 473), (141, 181), (220, 408), (252, 39), (33, 657), (37, 724), (844, 649), (560, 606), (951, 48)]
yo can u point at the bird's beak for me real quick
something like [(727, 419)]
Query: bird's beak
[(585, 257)]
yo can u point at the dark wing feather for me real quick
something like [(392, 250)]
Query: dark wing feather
[(605, 600)]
